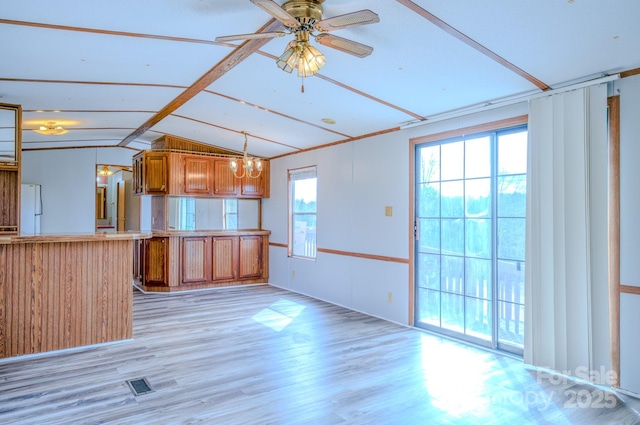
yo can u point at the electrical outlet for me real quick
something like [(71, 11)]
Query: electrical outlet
[(390, 297), (293, 274), (388, 211)]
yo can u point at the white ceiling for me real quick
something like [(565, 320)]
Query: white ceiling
[(108, 67)]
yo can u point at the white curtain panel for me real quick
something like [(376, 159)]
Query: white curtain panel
[(566, 283)]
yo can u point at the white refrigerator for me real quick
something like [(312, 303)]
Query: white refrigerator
[(30, 209)]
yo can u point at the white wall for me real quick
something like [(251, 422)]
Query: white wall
[(629, 89), (356, 181), (68, 179)]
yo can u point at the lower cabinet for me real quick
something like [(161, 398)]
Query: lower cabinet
[(176, 263), (154, 261), (195, 259), (250, 265), (224, 258)]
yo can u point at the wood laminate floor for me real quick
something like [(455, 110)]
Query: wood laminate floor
[(262, 355)]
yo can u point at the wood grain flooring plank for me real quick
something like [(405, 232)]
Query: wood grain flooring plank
[(262, 355)]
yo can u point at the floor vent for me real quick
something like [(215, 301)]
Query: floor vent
[(139, 386)]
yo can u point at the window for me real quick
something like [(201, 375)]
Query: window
[(303, 211), (470, 225), (230, 213)]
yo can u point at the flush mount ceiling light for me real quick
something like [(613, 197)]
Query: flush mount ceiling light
[(303, 18), (51, 129), (251, 166)]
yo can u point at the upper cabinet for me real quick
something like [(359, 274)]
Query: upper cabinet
[(10, 167), (156, 173), (197, 175), (224, 183), (171, 173)]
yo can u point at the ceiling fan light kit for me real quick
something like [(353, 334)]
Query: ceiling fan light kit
[(300, 54), (51, 129), (303, 18)]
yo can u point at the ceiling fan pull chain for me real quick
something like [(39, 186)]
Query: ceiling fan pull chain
[(302, 87)]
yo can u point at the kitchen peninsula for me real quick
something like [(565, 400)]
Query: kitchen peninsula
[(205, 220), (64, 291), (56, 291)]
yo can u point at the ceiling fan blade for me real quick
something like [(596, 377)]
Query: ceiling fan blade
[(360, 17), (235, 37), (273, 9), (344, 45)]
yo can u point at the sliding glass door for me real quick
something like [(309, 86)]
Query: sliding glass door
[(470, 230)]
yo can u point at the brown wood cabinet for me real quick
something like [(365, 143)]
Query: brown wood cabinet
[(9, 200), (195, 261), (250, 263), (138, 180), (170, 173), (224, 182), (176, 263), (257, 187), (156, 173), (155, 261), (197, 176), (225, 258), (10, 168)]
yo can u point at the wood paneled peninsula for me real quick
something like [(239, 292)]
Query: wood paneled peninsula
[(65, 291)]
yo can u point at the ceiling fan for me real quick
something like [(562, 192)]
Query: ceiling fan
[(303, 18)]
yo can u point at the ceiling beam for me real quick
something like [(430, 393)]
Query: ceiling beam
[(472, 43), (107, 32), (221, 68)]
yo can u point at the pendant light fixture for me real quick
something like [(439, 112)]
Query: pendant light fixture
[(246, 166)]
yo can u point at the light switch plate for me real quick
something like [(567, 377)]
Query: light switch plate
[(388, 211)]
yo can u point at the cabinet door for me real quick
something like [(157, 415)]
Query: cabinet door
[(10, 153), (9, 201), (250, 264), (155, 173), (256, 187), (138, 260), (197, 175), (155, 261), (225, 182), (138, 187), (224, 258), (195, 265)]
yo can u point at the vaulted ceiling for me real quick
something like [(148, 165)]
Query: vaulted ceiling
[(123, 73)]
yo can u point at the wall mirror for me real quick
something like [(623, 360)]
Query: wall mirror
[(186, 213)]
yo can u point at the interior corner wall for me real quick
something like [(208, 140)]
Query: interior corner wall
[(629, 91), (356, 181)]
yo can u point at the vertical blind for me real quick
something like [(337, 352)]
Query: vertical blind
[(566, 283)]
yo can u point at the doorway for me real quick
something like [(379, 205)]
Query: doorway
[(116, 207), (470, 207)]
